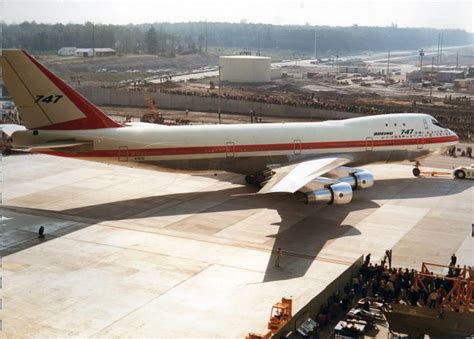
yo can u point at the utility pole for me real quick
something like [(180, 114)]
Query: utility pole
[(437, 52), (441, 48), (258, 43), (388, 68), (422, 53), (93, 40), (219, 99), (206, 36), (457, 60), (315, 44), (431, 79)]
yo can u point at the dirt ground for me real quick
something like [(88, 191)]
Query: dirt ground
[(133, 66)]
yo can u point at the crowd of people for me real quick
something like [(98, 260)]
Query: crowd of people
[(461, 123), (298, 100), (464, 152), (9, 117), (457, 100), (397, 285)]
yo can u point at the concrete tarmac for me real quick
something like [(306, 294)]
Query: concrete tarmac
[(133, 252)]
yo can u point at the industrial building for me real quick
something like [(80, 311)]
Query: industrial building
[(100, 52), (245, 68), (362, 70), (441, 75), (450, 76), (413, 76), (105, 52)]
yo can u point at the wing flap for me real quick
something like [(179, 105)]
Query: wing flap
[(292, 178)]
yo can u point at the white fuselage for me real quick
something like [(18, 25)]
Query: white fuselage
[(247, 148)]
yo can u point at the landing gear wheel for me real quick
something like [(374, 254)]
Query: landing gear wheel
[(416, 172), (460, 174), (251, 180)]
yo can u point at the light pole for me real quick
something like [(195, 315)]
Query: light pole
[(315, 45), (422, 54), (388, 67)]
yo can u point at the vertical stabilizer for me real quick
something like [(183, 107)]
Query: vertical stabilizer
[(44, 101)]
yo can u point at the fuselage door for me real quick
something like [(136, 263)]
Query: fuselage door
[(425, 123), (296, 146), (230, 149), (369, 144), (122, 153)]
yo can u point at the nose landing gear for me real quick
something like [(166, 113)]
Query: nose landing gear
[(416, 171)]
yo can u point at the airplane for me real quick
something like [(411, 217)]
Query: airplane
[(308, 158)]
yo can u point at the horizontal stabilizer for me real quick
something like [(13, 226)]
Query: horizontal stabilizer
[(9, 129), (52, 145)]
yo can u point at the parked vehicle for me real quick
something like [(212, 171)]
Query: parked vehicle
[(464, 172)]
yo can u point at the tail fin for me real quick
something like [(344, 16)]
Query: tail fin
[(43, 100)]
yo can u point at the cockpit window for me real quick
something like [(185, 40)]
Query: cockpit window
[(437, 123)]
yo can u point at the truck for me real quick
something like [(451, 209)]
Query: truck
[(464, 172)]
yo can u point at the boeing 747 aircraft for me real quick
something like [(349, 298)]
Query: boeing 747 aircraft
[(311, 158)]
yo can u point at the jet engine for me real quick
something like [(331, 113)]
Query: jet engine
[(340, 193), (359, 180)]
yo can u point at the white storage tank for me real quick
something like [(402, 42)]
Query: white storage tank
[(245, 68)]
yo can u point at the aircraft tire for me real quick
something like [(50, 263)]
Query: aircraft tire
[(251, 180)]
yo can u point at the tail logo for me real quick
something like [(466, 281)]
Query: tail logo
[(48, 99)]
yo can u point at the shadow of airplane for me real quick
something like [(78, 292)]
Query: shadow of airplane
[(302, 232)]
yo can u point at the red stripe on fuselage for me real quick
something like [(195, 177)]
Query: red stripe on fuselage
[(254, 148), (94, 119)]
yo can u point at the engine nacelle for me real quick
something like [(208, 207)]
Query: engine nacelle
[(359, 180), (340, 193)]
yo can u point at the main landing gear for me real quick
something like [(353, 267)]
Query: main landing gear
[(259, 180)]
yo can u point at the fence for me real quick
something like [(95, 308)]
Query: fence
[(113, 97)]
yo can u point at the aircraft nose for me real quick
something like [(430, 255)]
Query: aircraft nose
[(454, 135)]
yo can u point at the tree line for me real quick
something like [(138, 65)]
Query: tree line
[(192, 37)]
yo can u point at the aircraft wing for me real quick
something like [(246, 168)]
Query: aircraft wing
[(52, 145), (292, 178)]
